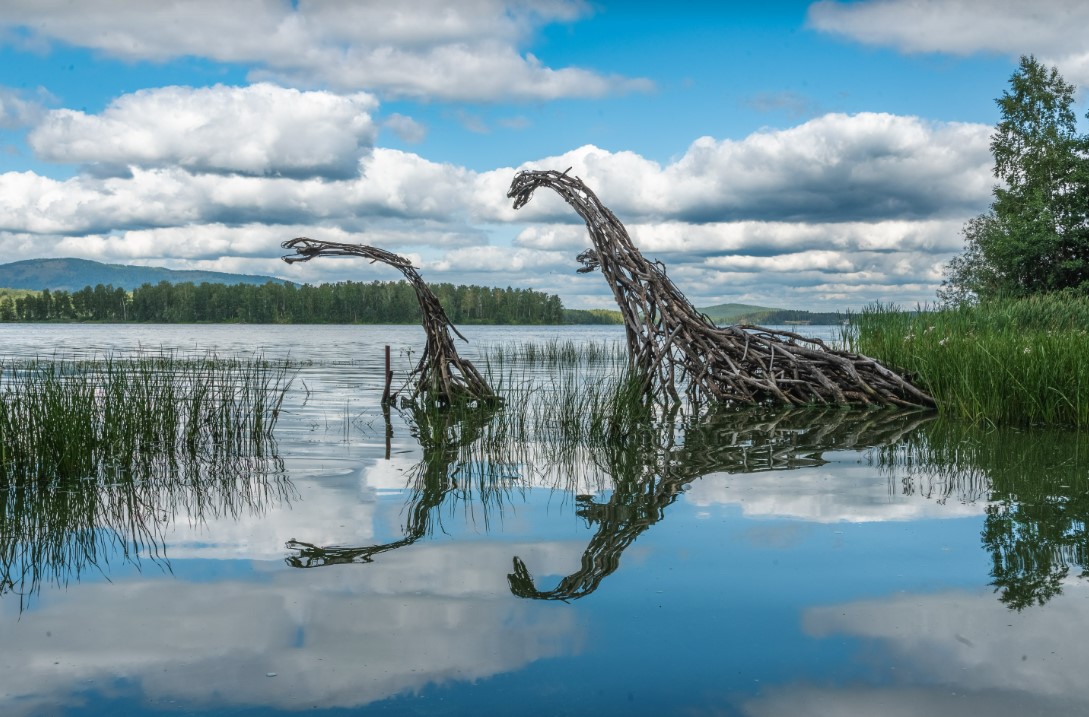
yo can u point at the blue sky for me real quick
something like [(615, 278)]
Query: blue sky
[(807, 155)]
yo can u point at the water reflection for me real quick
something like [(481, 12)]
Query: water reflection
[(1037, 484), (1031, 487), (445, 437), (954, 652), (56, 531), (844, 559), (647, 468), (650, 469)]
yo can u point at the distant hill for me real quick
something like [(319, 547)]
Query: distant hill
[(747, 314), (736, 313), (74, 274), (592, 316)]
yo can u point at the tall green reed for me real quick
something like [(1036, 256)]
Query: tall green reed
[(96, 457), (556, 352), (1004, 362), (66, 419)]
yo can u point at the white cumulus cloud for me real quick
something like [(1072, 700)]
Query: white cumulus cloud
[(836, 167), (408, 129), (1053, 30), (465, 50), (839, 211), (260, 129), (19, 110)]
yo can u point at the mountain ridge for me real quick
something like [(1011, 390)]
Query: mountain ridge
[(71, 274)]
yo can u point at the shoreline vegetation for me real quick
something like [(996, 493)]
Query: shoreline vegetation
[(1003, 363), (999, 362), (66, 419), (1018, 361), (1010, 343)]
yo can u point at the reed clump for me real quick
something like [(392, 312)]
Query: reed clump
[(556, 352), (64, 420), (561, 401), (1017, 361), (98, 457), (566, 393)]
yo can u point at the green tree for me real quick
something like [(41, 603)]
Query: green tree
[(7, 309), (1035, 237)]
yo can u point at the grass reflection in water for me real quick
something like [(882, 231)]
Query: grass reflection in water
[(100, 457), (1037, 485)]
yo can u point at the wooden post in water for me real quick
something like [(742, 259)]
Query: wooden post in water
[(389, 428), (386, 402), (389, 379)]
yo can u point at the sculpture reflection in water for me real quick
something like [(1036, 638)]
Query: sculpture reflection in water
[(101, 458), (648, 464), (1036, 483), (651, 468), (447, 469)]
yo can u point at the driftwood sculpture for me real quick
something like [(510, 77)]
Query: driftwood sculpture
[(441, 376), (674, 345)]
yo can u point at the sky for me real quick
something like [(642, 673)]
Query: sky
[(812, 155)]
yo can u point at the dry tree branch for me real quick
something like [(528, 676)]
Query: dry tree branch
[(674, 345), (441, 376)]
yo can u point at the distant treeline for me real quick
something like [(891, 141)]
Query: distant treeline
[(392, 302)]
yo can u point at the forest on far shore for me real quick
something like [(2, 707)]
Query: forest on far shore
[(348, 302)]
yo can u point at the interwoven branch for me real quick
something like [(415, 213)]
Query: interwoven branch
[(441, 376), (675, 346)]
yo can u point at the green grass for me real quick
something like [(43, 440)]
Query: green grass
[(98, 457), (1006, 362), (66, 420), (554, 352)]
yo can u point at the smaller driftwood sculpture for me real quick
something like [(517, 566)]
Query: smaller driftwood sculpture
[(441, 376), (674, 345)]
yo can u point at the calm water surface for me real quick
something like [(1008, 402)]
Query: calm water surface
[(837, 563)]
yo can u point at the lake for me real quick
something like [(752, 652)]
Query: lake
[(760, 564)]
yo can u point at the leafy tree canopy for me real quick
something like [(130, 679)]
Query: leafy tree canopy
[(1035, 236)]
